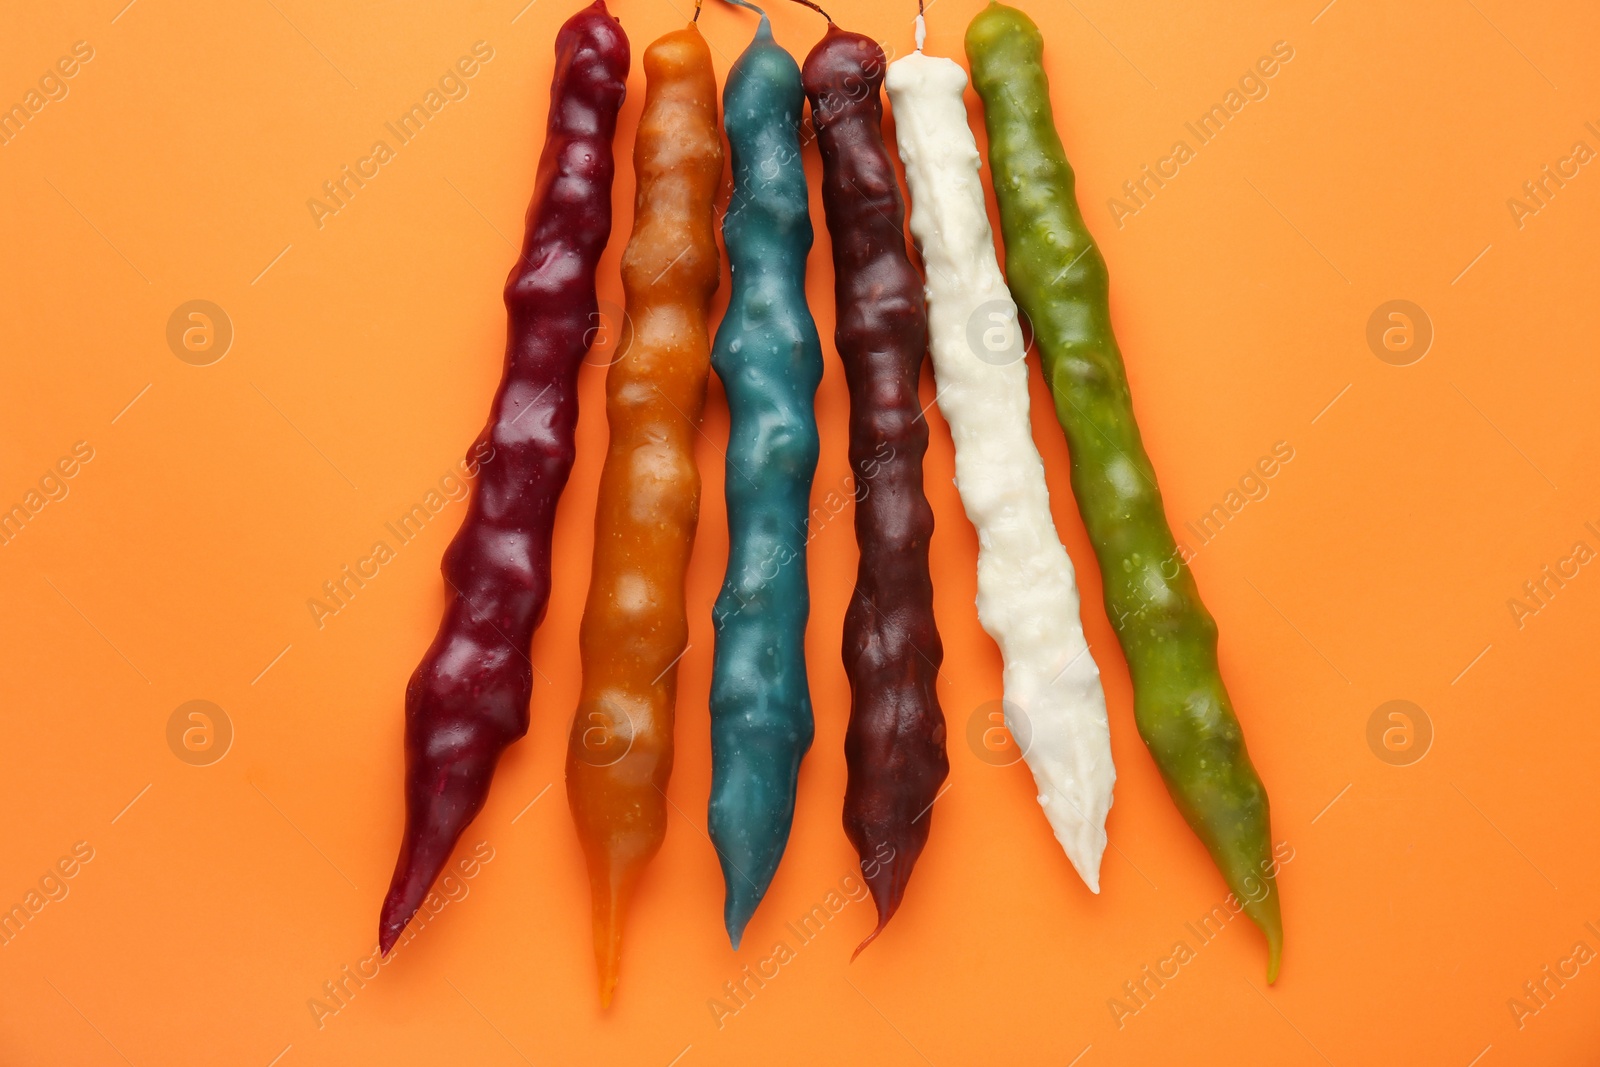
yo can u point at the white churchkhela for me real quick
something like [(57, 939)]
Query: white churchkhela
[(1027, 596)]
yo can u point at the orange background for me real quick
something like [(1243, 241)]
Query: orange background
[(1419, 898)]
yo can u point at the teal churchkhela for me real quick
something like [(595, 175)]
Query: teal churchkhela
[(769, 358)]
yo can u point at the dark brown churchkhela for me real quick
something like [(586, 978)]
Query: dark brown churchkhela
[(469, 697), (894, 747)]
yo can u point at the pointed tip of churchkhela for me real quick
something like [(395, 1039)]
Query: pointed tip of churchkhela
[(887, 879), (743, 895), (1075, 778), (1087, 856), (886, 910), (883, 920), (889, 834), (388, 934), (607, 956), (444, 791), (608, 912), (1265, 910), (751, 814), (1081, 835), (421, 861), (402, 900), (1088, 869), (1272, 926), (746, 883), (414, 875), (736, 913)]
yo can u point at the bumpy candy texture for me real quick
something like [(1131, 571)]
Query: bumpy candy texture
[(469, 697), (770, 361), (1059, 279), (1027, 595), (895, 744), (634, 628)]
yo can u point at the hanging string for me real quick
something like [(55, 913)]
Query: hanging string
[(812, 4)]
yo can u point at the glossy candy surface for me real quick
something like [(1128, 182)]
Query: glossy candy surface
[(619, 757), (468, 699), (769, 358), (895, 744), (1169, 638)]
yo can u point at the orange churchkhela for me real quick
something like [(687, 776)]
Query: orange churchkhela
[(619, 757)]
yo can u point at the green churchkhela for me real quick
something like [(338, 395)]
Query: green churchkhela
[(1059, 279), (769, 358)]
